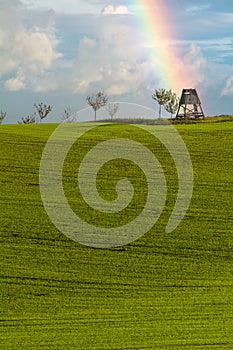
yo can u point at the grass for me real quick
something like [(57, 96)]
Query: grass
[(152, 121), (209, 119), (163, 291)]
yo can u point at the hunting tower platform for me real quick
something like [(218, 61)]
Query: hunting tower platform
[(190, 105)]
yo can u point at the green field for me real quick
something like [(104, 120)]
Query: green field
[(162, 291)]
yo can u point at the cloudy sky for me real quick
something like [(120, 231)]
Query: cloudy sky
[(59, 51)]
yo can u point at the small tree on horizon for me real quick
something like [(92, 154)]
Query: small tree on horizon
[(2, 116), (96, 101), (162, 96), (42, 110), (172, 105), (67, 116), (112, 108), (30, 119)]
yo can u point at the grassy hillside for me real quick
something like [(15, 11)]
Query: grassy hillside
[(163, 291)]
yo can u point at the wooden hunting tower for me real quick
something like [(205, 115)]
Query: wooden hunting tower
[(190, 105)]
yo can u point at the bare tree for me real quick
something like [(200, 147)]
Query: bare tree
[(172, 105), (66, 114), (42, 110), (162, 96), (97, 101), (30, 119), (112, 108), (2, 116)]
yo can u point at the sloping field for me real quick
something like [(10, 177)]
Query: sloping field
[(162, 291)]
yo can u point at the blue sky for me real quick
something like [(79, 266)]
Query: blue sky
[(59, 51)]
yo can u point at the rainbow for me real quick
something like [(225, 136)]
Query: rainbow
[(155, 25)]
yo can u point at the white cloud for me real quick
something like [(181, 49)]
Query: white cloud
[(195, 64), (64, 6), (17, 83), (228, 89), (46, 85), (34, 48), (30, 50), (117, 90), (115, 10), (199, 8), (87, 42)]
